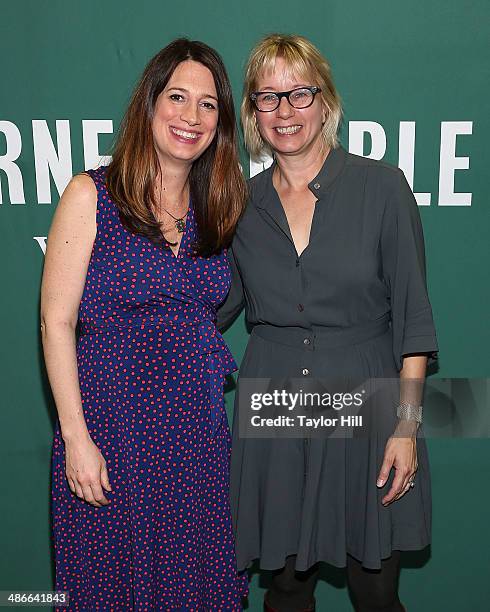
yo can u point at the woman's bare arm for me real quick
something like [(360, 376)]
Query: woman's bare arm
[(69, 246)]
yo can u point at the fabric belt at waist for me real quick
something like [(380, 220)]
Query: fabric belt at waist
[(323, 337), (209, 342)]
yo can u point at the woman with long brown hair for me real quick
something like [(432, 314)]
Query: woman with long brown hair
[(136, 264)]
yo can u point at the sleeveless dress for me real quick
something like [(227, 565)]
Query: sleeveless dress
[(151, 367)]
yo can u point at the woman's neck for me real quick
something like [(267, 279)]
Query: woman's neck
[(172, 187), (294, 172)]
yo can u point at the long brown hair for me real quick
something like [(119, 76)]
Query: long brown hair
[(217, 185)]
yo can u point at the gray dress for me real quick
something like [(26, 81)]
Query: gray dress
[(353, 304)]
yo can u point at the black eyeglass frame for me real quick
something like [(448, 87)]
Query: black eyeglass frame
[(284, 94)]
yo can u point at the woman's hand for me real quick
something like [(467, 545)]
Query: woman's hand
[(86, 472), (401, 448), (400, 453)]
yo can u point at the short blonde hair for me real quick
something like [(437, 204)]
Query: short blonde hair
[(303, 58)]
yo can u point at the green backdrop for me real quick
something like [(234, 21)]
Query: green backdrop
[(409, 67)]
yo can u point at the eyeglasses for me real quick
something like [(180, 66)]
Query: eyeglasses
[(267, 101)]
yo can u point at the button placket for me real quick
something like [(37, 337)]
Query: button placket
[(307, 354)]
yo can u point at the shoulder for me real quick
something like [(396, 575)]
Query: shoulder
[(380, 170), (380, 181), (257, 185), (75, 216), (97, 176), (256, 188), (88, 188), (81, 190)]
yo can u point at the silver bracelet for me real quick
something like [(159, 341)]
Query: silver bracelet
[(409, 412)]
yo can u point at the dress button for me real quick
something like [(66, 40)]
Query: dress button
[(306, 341), (297, 262), (317, 185), (305, 372), (301, 307)]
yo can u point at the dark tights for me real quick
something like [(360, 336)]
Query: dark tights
[(291, 591), (371, 590), (375, 590)]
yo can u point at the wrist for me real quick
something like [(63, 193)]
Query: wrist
[(72, 436), (407, 411), (406, 429)]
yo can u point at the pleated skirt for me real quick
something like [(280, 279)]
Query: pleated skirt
[(317, 498)]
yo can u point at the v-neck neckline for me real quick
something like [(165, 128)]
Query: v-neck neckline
[(270, 202), (283, 221)]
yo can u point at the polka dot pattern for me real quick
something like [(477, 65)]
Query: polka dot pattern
[(151, 368)]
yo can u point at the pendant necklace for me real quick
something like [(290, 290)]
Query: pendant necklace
[(179, 221)]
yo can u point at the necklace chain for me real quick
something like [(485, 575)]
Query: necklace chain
[(179, 221)]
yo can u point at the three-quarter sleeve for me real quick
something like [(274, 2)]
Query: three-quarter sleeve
[(403, 261), (233, 304)]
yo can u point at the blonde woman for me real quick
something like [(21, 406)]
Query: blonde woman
[(328, 261)]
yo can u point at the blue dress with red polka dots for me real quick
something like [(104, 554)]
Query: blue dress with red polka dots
[(151, 368)]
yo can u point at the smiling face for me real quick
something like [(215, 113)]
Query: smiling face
[(288, 130), (185, 117)]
